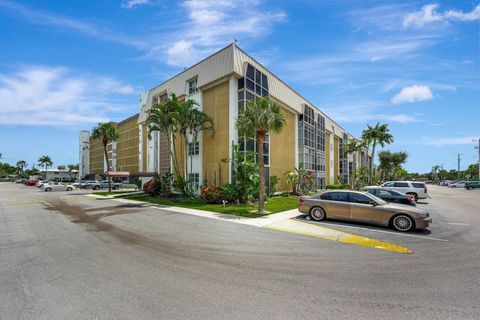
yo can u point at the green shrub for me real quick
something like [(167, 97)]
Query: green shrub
[(335, 186), (211, 194), (273, 184), (229, 192)]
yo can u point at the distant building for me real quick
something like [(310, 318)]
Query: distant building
[(58, 175)]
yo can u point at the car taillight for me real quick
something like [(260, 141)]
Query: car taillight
[(410, 200), (301, 201)]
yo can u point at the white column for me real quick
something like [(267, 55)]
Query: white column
[(232, 117), (296, 141), (140, 143), (332, 159)]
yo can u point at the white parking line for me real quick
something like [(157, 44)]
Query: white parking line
[(382, 231)]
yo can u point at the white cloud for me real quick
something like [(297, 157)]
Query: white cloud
[(429, 14), (211, 25), (133, 3), (412, 94), (365, 111), (55, 96), (441, 142)]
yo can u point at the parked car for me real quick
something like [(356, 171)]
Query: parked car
[(89, 184), (472, 185), (391, 195), (57, 186), (31, 182), (20, 181), (457, 184), (115, 185), (364, 207), (41, 183), (417, 189)]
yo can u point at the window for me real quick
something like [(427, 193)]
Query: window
[(400, 185), (388, 184), (383, 193), (194, 180), (418, 185), (359, 198), (335, 196), (192, 86), (193, 148)]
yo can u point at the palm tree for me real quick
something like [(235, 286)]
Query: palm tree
[(106, 132), (45, 161), (351, 147), (198, 121), (398, 158), (373, 136), (21, 165), (161, 118), (259, 118), (183, 119)]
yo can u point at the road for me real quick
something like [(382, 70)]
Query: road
[(67, 256)]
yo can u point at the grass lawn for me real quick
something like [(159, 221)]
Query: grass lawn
[(106, 193), (273, 205)]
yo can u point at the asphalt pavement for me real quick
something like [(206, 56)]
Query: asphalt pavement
[(68, 256)]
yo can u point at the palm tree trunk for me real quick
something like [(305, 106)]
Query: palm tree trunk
[(173, 152), (371, 163), (108, 167), (261, 193)]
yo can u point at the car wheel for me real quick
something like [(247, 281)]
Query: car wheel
[(402, 223), (69, 189), (116, 187), (96, 188), (317, 214), (48, 189), (415, 196), (454, 186)]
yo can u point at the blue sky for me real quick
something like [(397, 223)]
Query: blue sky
[(64, 66)]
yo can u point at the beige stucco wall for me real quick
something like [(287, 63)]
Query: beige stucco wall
[(215, 148), (127, 145), (282, 150)]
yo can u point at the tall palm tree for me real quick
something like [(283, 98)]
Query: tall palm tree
[(183, 119), (161, 118), (435, 170), (351, 147), (198, 121), (260, 117), (22, 164), (398, 158), (106, 132), (45, 161), (376, 135)]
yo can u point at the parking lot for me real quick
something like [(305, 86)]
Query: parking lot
[(140, 261), (453, 211)]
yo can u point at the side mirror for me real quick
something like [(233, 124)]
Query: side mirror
[(373, 203)]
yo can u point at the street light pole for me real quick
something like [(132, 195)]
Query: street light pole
[(478, 147)]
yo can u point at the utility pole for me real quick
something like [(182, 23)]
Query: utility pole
[(458, 165), (478, 147)]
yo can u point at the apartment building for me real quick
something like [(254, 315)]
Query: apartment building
[(222, 84), (122, 154)]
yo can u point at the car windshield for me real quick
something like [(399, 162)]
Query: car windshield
[(377, 199)]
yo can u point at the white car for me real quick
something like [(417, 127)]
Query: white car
[(57, 186), (417, 189), (458, 184)]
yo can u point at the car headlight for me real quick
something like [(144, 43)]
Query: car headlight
[(423, 215)]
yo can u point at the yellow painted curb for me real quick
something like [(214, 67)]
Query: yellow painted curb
[(308, 229)]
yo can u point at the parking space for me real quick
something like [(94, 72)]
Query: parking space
[(453, 210)]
